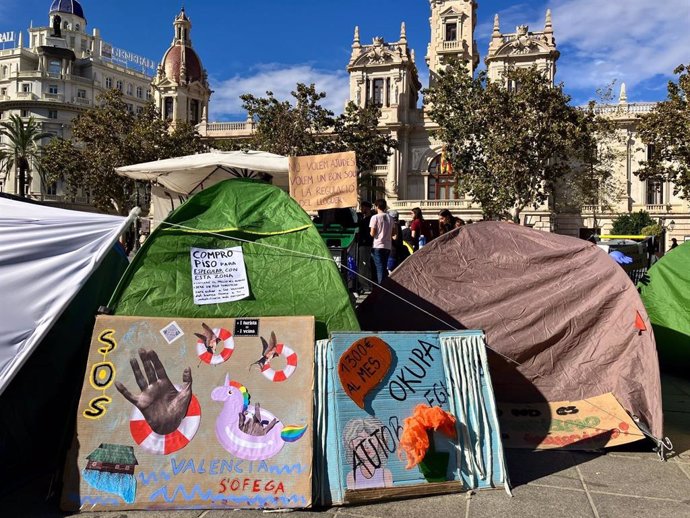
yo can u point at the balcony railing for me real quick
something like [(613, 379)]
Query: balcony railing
[(434, 204), (26, 95), (452, 45), (657, 207), (81, 100), (54, 97)]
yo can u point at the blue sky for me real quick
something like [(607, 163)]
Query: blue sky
[(254, 46)]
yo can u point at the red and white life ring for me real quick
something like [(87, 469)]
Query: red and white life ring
[(153, 442), (220, 356), (282, 375)]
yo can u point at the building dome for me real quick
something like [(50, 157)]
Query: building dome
[(174, 59), (67, 6)]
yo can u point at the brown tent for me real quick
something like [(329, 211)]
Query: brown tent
[(564, 321)]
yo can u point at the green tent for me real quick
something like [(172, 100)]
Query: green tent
[(289, 268), (666, 296)]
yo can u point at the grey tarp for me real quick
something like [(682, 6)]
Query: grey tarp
[(558, 306)]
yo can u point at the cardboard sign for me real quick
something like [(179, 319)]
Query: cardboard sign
[(218, 275), (324, 181), (360, 459), (593, 423), (194, 416), (362, 367)]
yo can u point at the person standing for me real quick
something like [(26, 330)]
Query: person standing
[(419, 227), (382, 230), (364, 242)]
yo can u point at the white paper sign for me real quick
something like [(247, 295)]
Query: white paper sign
[(218, 275)]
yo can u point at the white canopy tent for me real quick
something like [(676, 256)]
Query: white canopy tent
[(46, 256), (175, 179)]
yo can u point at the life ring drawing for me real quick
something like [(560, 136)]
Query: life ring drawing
[(153, 442), (207, 347), (281, 375)]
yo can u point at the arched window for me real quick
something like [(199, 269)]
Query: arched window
[(442, 182), (76, 26)]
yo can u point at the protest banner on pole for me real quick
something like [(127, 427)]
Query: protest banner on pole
[(324, 181)]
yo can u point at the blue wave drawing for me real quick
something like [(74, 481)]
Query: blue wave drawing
[(153, 477), (196, 492)]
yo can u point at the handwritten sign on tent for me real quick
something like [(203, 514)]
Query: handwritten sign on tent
[(185, 413), (324, 181)]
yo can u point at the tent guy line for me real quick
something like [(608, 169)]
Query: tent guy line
[(320, 258)]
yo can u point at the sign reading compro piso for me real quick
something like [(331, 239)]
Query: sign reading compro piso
[(324, 181)]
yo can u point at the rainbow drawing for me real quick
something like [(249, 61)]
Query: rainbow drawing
[(292, 433), (243, 390)]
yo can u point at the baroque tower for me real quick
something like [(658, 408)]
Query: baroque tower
[(522, 48), (452, 34), (180, 88)]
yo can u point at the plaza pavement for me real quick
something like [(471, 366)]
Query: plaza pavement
[(629, 482)]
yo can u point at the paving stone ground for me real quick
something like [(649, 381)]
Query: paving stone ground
[(626, 482)]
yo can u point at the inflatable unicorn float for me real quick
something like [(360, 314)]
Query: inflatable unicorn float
[(248, 431)]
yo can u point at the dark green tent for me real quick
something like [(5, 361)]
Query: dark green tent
[(289, 267), (666, 296)]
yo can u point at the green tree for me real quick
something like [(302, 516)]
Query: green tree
[(109, 136), (304, 127), (357, 130), (667, 129), (631, 224), (599, 146), (508, 146), (22, 149), (290, 129)]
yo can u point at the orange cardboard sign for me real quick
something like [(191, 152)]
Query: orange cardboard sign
[(593, 423), (324, 181), (363, 366)]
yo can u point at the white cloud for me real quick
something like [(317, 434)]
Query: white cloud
[(631, 41), (281, 80)]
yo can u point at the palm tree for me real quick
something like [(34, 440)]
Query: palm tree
[(22, 147)]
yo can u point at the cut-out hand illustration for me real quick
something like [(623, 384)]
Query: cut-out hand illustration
[(209, 338), (161, 403)]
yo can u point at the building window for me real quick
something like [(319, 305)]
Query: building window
[(168, 108), (53, 89), (139, 110), (130, 89), (118, 85), (26, 88), (140, 92), (54, 66), (442, 184), (81, 94), (76, 27), (148, 95), (194, 111), (108, 82), (25, 113), (378, 92), (655, 192), (3, 71), (3, 91), (451, 31), (52, 114)]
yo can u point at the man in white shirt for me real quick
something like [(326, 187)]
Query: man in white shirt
[(382, 230)]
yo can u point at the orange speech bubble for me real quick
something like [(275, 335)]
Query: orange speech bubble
[(362, 367)]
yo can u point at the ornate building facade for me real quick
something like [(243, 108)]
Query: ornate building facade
[(58, 73)]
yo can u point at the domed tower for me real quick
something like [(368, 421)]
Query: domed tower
[(180, 88), (66, 15)]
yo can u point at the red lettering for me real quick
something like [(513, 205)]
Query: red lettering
[(256, 488)]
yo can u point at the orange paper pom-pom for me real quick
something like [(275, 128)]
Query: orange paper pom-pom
[(414, 441)]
